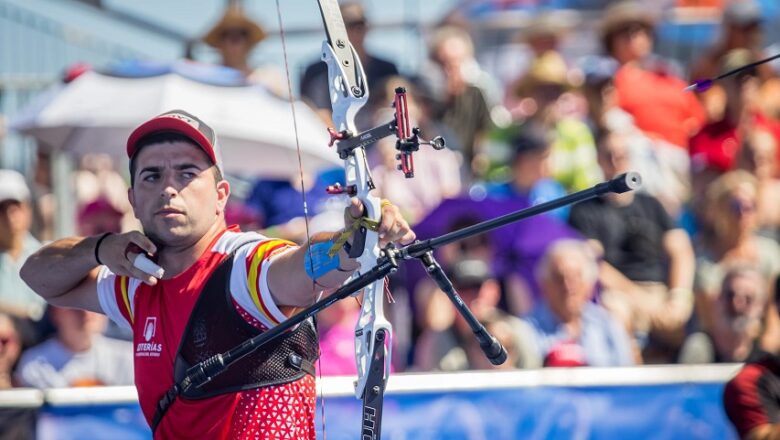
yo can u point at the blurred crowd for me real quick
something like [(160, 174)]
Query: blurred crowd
[(682, 271)]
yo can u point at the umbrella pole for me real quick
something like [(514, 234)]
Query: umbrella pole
[(62, 168), (620, 184)]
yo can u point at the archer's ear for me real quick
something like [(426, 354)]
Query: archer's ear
[(223, 193), (131, 197)]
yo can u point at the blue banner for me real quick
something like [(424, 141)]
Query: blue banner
[(669, 411)]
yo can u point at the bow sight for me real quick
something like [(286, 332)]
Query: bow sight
[(408, 139)]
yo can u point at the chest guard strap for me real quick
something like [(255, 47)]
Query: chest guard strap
[(215, 327)]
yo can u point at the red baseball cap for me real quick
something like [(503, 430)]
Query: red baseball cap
[(181, 122), (565, 354)]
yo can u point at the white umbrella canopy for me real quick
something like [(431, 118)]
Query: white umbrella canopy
[(95, 113)]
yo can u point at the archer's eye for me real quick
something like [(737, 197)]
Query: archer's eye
[(151, 177), (189, 175)]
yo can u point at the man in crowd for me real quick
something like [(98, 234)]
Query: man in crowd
[(16, 244), (752, 397), (447, 344), (720, 141), (741, 29), (530, 172), (179, 196), (737, 322), (647, 272), (571, 330), (234, 36), (464, 106), (314, 88), (78, 355), (647, 87)]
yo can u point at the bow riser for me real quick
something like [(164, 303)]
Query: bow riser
[(348, 94)]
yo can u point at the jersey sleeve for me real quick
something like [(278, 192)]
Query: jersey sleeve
[(249, 279), (742, 400), (116, 295)]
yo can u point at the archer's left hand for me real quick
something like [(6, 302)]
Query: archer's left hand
[(392, 226)]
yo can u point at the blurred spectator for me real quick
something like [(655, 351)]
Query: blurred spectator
[(336, 327), (647, 272), (15, 423), (664, 166), (543, 97), (234, 36), (448, 344), (571, 330), (530, 171), (465, 108), (719, 141), (731, 216), (279, 202), (759, 157), (78, 355), (731, 240), (314, 83), (648, 87), (741, 29), (237, 212), (736, 323), (97, 180), (10, 349), (542, 31), (752, 398), (99, 217), (437, 172), (16, 244), (545, 32)]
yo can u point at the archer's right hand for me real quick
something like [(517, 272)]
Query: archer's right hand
[(118, 252)]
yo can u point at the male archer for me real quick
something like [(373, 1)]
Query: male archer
[(220, 286)]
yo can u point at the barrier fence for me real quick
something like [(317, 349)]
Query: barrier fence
[(659, 402)]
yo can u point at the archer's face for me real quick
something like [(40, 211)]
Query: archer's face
[(175, 196)]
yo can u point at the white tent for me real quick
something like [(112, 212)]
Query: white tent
[(95, 113)]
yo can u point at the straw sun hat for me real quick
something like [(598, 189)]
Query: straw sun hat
[(234, 19)]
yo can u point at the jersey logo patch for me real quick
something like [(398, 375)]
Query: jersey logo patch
[(149, 348)]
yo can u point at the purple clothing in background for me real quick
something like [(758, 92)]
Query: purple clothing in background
[(517, 247)]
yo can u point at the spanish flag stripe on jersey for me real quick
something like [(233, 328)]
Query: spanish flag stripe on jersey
[(263, 251), (123, 298)]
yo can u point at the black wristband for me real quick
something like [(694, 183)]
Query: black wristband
[(97, 246)]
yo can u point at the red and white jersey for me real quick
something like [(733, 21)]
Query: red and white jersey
[(158, 316)]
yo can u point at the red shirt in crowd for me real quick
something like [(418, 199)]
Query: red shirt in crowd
[(657, 101), (718, 144), (158, 316)]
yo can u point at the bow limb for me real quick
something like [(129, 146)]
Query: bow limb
[(373, 332)]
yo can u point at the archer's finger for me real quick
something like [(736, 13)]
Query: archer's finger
[(390, 216), (143, 242), (355, 208), (408, 237), (134, 272)]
